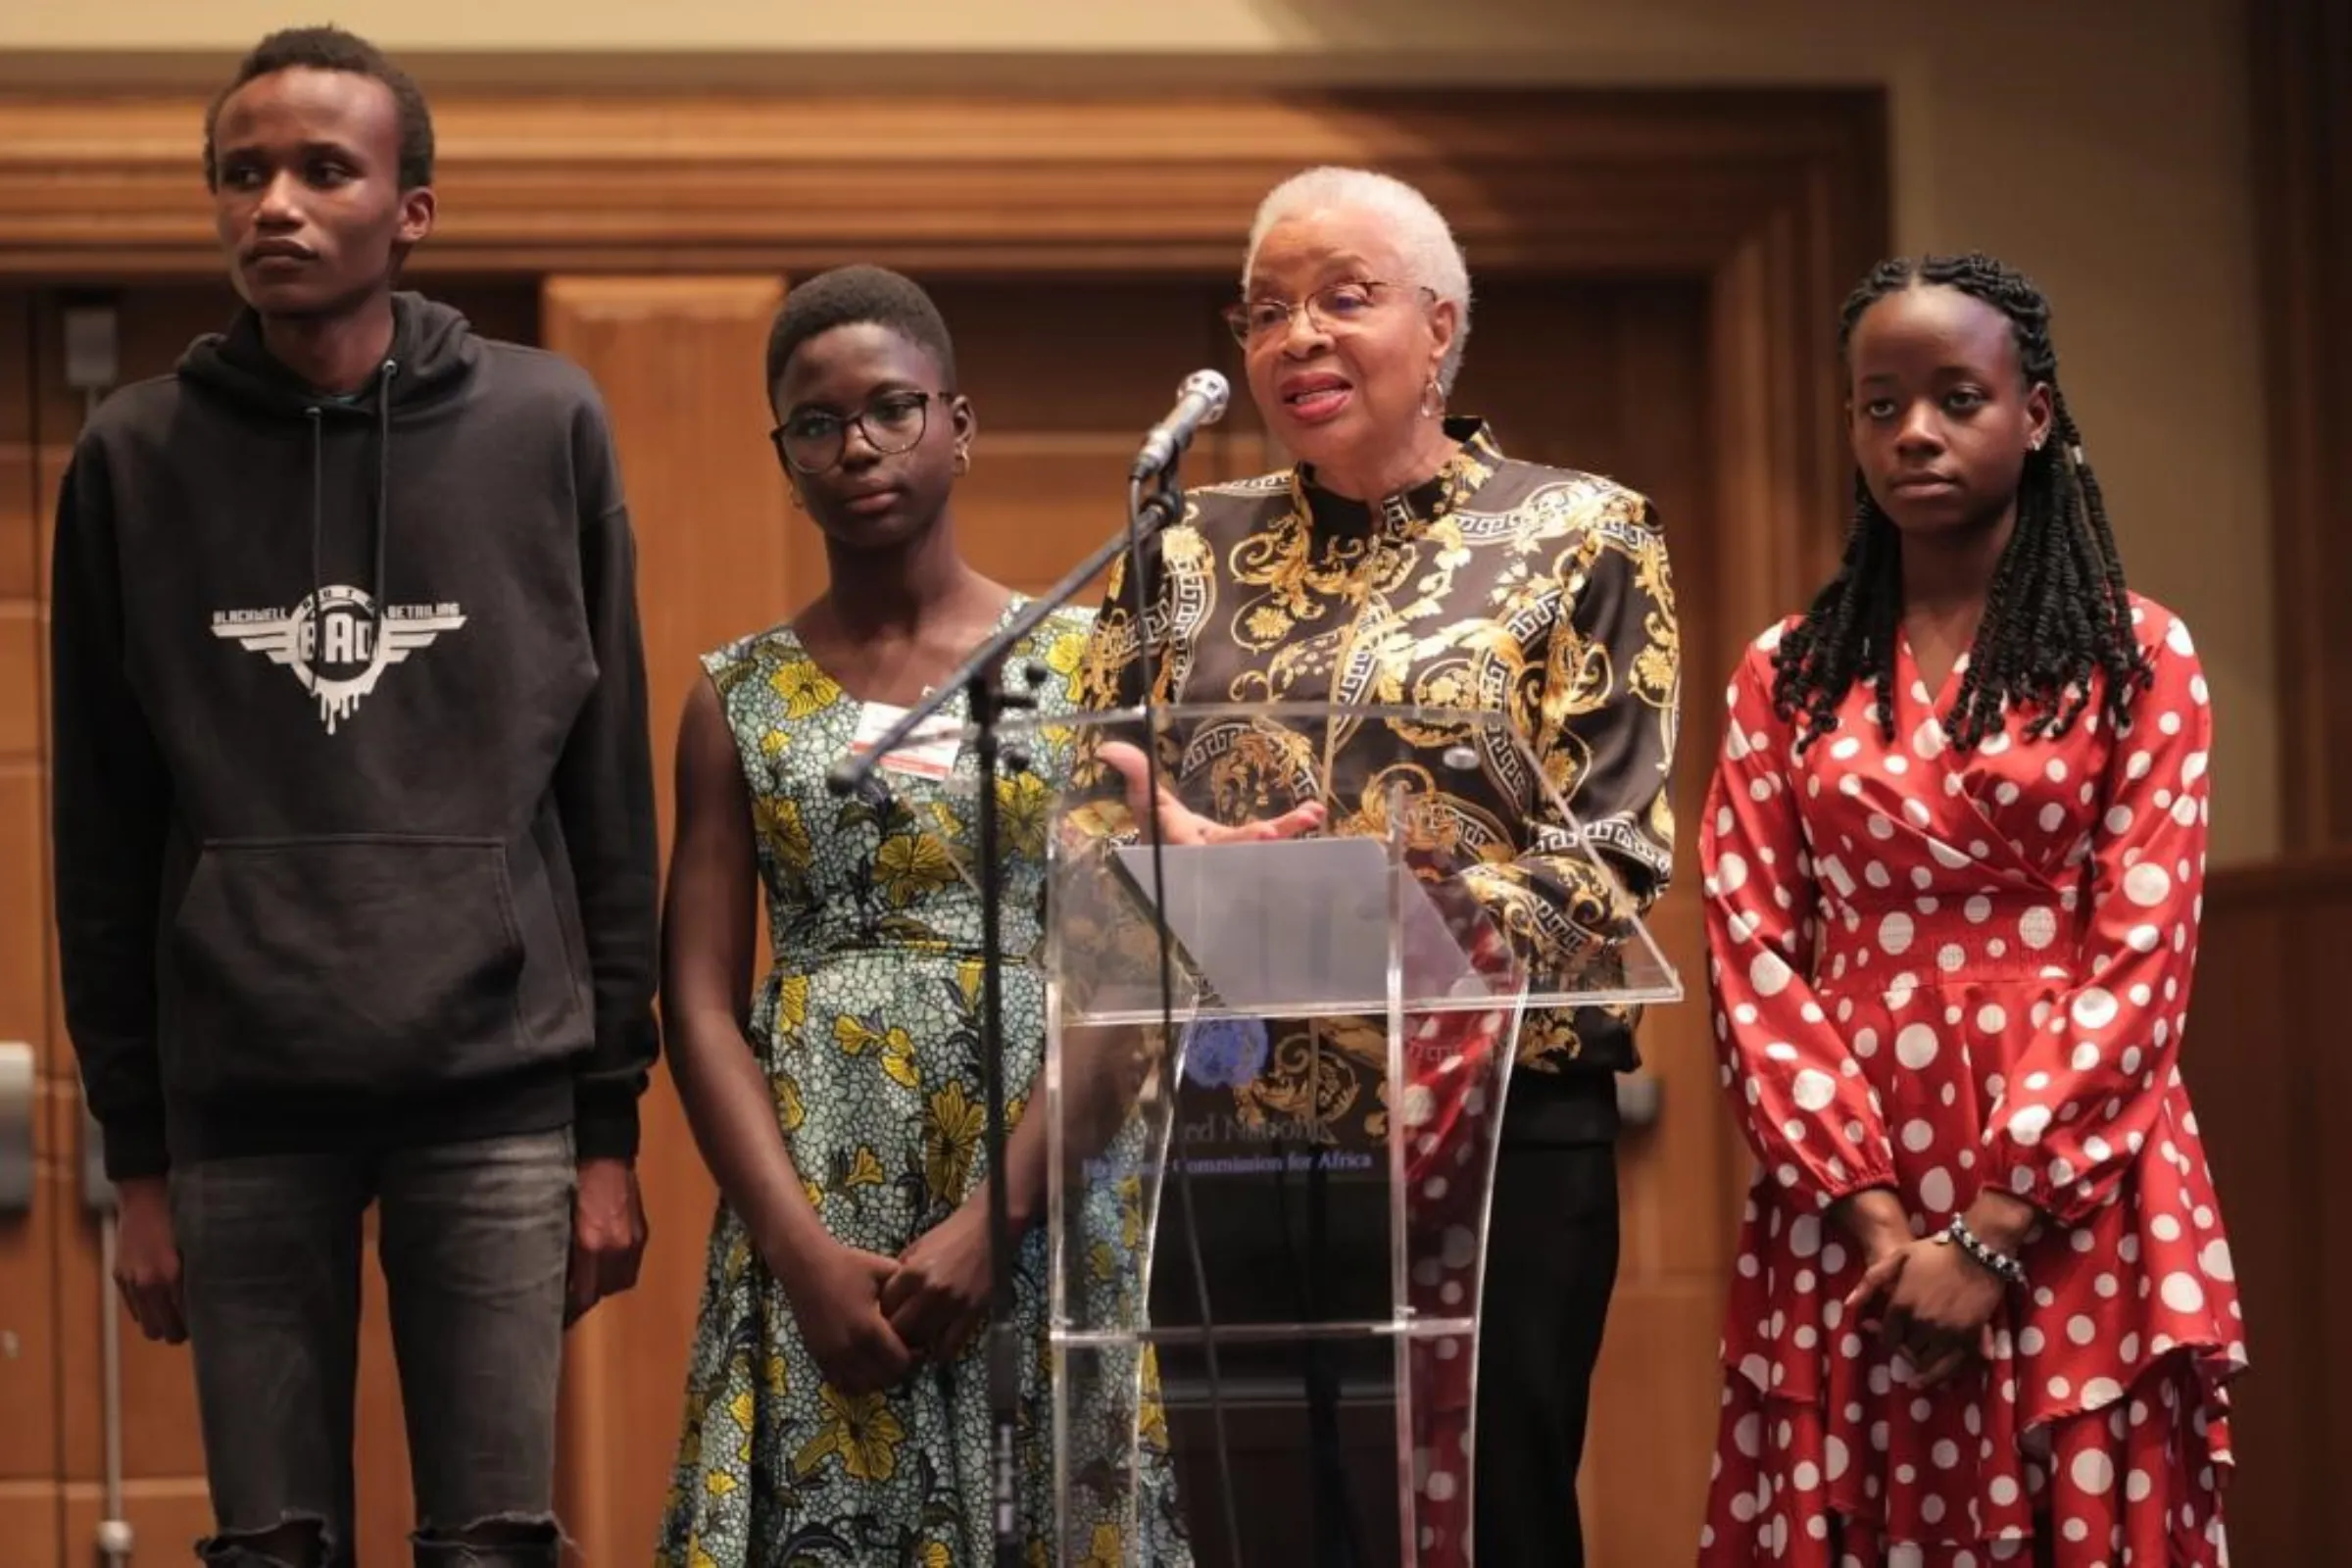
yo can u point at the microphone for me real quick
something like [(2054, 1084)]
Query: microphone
[(1200, 401)]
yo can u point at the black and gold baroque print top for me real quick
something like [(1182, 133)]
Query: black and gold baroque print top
[(1497, 585)]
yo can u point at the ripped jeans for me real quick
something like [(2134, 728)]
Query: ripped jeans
[(474, 1240)]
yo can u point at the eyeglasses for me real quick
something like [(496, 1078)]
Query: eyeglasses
[(813, 440), (1334, 305)]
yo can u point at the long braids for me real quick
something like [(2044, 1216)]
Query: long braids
[(2057, 615)]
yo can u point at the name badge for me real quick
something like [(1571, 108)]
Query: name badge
[(929, 753)]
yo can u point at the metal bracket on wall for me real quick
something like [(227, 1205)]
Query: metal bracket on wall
[(93, 350), (20, 1091)]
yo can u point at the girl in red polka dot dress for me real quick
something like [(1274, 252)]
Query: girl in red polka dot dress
[(1984, 1311)]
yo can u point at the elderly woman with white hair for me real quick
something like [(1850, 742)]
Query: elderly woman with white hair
[(1406, 559)]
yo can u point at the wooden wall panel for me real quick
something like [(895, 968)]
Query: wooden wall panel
[(29, 1515), (22, 632), (21, 529), (679, 361), (2301, 56), (2265, 1062), (1085, 355), (1056, 433), (1611, 377), (29, 1368), (1034, 504), (167, 1515)]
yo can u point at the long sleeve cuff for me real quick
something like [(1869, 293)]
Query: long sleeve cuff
[(604, 1123), (1876, 1170), (134, 1148)]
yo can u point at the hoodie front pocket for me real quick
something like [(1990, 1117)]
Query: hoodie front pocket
[(357, 964)]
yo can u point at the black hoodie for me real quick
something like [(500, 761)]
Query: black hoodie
[(353, 815)]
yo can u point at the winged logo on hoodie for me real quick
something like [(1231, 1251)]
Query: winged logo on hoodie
[(336, 643)]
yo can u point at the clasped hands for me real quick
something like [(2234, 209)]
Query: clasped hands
[(870, 1320), (1926, 1297)]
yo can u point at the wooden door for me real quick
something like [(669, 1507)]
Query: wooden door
[(1612, 378), (33, 1445), (721, 554), (1065, 377), (52, 1296), (678, 360)]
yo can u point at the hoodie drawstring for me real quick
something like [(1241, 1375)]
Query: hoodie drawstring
[(383, 490), (310, 655), (384, 374)]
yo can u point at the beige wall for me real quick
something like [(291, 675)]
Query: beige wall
[(2100, 144)]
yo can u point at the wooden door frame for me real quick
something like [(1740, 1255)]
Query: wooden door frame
[(2300, 71), (1772, 202), (1776, 200)]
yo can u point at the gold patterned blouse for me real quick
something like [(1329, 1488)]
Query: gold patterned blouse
[(1503, 585)]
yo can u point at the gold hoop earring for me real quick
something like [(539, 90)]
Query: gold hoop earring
[(1433, 399), (963, 460)]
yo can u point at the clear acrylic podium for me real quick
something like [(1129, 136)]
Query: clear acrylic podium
[(1275, 1073)]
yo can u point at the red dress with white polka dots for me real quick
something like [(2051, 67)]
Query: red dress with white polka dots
[(1938, 972)]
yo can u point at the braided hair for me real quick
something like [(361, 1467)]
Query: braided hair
[(2057, 614)]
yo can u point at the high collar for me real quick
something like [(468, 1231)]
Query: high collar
[(1406, 511)]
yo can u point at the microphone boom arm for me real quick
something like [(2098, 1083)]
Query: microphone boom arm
[(1161, 508), (988, 701), (1151, 509)]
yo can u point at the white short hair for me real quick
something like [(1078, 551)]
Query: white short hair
[(1420, 232)]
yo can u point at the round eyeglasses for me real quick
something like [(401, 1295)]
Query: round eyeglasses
[(1335, 304), (813, 440)]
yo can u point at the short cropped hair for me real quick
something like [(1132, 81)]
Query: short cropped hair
[(333, 49), (1420, 232), (854, 295)]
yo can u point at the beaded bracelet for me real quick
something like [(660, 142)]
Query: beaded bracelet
[(2008, 1270)]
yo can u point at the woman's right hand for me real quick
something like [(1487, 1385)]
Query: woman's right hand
[(1876, 1219), (1881, 1230), (1880, 1227), (836, 1297), (1181, 824)]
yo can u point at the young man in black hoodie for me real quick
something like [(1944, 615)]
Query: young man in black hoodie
[(353, 838)]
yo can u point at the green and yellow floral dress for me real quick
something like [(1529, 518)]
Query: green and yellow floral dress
[(868, 1027)]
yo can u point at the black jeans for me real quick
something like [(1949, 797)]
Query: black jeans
[(1552, 1263), (474, 1240)]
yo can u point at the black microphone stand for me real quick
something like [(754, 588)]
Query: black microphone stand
[(978, 678)]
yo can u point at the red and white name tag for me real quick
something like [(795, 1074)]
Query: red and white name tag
[(929, 753)]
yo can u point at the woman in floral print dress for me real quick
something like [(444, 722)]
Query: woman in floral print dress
[(837, 1402), (1985, 1312)]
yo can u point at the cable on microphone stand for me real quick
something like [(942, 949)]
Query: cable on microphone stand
[(1202, 400), (1164, 505)]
